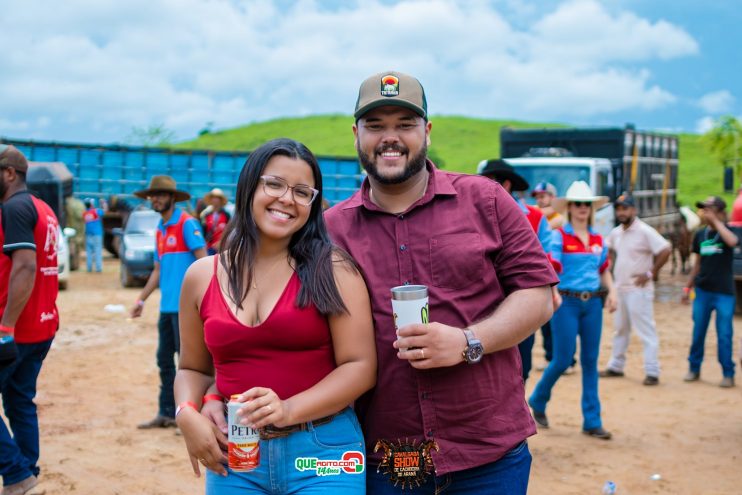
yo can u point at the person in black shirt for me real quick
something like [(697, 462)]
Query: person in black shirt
[(713, 280)]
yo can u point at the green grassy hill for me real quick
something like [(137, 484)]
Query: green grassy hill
[(458, 144)]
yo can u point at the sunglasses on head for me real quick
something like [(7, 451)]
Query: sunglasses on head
[(581, 203)]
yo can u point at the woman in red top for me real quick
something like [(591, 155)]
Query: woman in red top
[(282, 318)]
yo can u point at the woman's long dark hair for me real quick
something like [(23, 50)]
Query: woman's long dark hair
[(310, 247)]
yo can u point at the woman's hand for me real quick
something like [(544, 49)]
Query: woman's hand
[(263, 407), (205, 443), (214, 411), (611, 302)]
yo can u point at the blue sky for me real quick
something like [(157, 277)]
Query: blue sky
[(92, 71)]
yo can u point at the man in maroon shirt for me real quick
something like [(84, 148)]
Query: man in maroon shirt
[(28, 316), (451, 389)]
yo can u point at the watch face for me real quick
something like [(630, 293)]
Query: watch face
[(474, 353)]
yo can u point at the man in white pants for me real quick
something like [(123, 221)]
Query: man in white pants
[(640, 251)]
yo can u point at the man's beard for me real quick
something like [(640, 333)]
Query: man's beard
[(414, 164), (625, 220), (165, 207)]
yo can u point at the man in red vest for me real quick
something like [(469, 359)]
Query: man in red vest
[(28, 316)]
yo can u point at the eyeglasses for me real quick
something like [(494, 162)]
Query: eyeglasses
[(581, 203), (276, 187)]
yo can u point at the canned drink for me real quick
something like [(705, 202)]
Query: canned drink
[(243, 442)]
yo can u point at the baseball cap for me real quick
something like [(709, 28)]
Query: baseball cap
[(10, 156), (391, 88), (544, 186), (625, 200), (712, 201)]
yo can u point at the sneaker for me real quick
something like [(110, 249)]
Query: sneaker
[(158, 421), (692, 376), (651, 380), (541, 366), (22, 487), (609, 373), (600, 433), (569, 371), (727, 382)]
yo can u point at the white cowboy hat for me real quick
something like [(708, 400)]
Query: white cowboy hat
[(579, 191), (216, 193)]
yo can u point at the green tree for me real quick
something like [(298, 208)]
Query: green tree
[(153, 135), (724, 141)]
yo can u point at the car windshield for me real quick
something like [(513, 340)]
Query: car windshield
[(142, 222), (562, 176)]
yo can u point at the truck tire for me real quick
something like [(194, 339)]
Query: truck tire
[(62, 285), (127, 279)]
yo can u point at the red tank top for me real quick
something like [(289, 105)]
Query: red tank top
[(289, 352)]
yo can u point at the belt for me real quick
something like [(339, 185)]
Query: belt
[(584, 295), (270, 432)]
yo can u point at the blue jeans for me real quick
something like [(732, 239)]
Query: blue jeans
[(546, 334), (283, 468), (94, 250), (525, 348), (573, 318), (167, 346), (19, 454), (704, 303), (508, 475)]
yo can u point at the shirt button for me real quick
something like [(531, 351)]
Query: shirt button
[(430, 433), (402, 247), (401, 217), (406, 282), (425, 395)]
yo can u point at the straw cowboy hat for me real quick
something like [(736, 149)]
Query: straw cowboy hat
[(162, 183), (500, 170), (216, 193), (579, 191)]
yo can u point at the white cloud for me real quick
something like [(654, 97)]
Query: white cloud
[(704, 124), (95, 70), (717, 102)]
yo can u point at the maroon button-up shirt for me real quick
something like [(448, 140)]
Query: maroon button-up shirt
[(469, 242)]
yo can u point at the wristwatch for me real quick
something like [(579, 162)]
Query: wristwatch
[(474, 350)]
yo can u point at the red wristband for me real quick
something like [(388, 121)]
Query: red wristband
[(209, 397), (185, 404), (686, 290), (10, 330)]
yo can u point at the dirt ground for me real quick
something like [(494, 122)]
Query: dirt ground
[(100, 380)]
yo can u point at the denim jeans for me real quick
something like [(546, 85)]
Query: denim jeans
[(168, 345), (525, 348), (508, 475), (19, 454), (548, 347), (284, 463), (94, 250), (704, 303), (573, 318)]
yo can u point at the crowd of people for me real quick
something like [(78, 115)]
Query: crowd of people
[(285, 307)]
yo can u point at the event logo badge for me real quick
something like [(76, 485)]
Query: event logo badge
[(389, 86), (406, 463), (352, 462), (171, 241)]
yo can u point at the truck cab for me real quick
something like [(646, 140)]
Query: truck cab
[(563, 171)]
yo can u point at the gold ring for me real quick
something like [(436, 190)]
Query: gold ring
[(203, 461), (422, 353), (270, 409)]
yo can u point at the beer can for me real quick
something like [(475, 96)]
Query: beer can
[(243, 447)]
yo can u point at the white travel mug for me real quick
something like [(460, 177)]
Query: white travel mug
[(409, 305)]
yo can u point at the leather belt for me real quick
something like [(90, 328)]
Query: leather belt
[(270, 432), (584, 295)]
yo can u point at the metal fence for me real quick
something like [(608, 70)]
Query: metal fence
[(100, 171)]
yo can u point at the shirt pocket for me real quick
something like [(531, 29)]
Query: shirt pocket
[(456, 260)]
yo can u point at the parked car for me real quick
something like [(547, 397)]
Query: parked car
[(63, 255), (137, 246)]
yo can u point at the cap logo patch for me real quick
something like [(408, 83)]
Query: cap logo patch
[(389, 86)]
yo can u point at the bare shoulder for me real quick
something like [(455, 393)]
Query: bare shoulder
[(198, 276), (342, 261)]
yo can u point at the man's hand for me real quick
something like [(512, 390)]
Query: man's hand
[(642, 279), (136, 310), (432, 345)]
